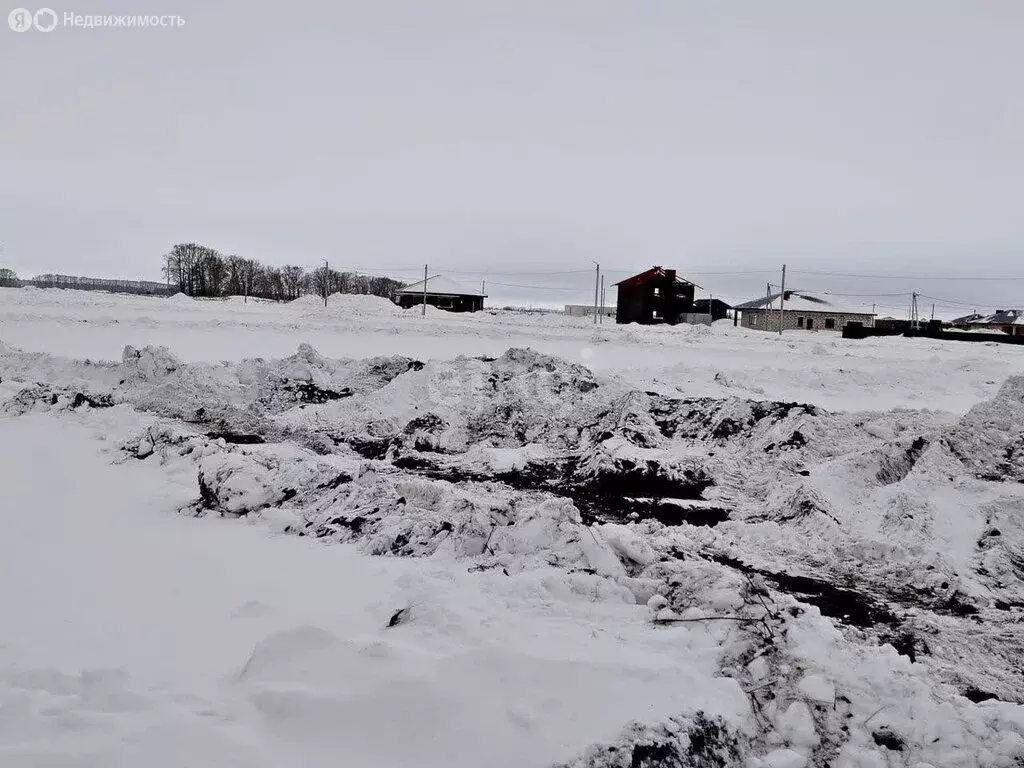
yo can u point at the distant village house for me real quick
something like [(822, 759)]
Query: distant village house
[(1009, 321), (443, 294), (803, 312)]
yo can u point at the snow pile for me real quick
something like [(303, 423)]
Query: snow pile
[(348, 305), (990, 437), (858, 575), (180, 298), (307, 301), (364, 304)]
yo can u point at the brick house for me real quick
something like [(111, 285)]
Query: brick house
[(802, 311)]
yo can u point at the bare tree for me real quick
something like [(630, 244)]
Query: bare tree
[(9, 278), (292, 277)]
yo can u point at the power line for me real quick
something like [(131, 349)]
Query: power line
[(864, 295), (907, 277), (492, 272), (538, 287), (953, 302)]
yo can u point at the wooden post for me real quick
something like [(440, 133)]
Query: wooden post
[(424, 290)]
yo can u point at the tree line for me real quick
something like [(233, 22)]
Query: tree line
[(9, 279), (198, 270)]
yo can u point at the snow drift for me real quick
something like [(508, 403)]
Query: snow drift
[(878, 556)]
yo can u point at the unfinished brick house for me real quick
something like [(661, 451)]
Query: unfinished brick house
[(655, 296)]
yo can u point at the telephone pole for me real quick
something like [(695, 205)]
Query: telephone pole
[(602, 299), (782, 300), (597, 283), (424, 290), (327, 276)]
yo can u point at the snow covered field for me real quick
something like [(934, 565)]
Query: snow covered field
[(500, 539), (817, 368)]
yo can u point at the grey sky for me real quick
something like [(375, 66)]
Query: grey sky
[(504, 136)]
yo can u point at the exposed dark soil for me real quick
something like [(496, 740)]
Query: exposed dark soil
[(843, 604), (896, 468), (235, 439), (612, 495), (93, 401), (307, 392)]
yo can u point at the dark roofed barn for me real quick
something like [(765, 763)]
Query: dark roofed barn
[(654, 296), (443, 294), (717, 308)]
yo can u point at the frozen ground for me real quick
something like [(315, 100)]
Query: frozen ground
[(705, 548)]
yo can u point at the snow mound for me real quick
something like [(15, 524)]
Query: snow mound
[(307, 301), (364, 304), (349, 304), (835, 562), (180, 298), (990, 437)]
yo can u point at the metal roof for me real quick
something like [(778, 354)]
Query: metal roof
[(438, 285), (798, 301), (653, 272), (1002, 317)]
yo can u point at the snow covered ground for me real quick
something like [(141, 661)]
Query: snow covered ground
[(813, 367), (301, 536)]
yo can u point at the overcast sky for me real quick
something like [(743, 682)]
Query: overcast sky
[(498, 136)]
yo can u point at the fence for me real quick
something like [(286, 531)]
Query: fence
[(696, 319), (931, 330), (587, 310)]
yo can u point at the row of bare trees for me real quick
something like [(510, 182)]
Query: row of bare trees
[(10, 279), (197, 270)]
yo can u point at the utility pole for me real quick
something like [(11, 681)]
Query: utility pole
[(597, 283), (933, 312), (602, 299), (424, 290), (782, 300), (767, 304), (327, 276)]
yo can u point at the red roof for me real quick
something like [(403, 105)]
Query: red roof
[(651, 274)]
